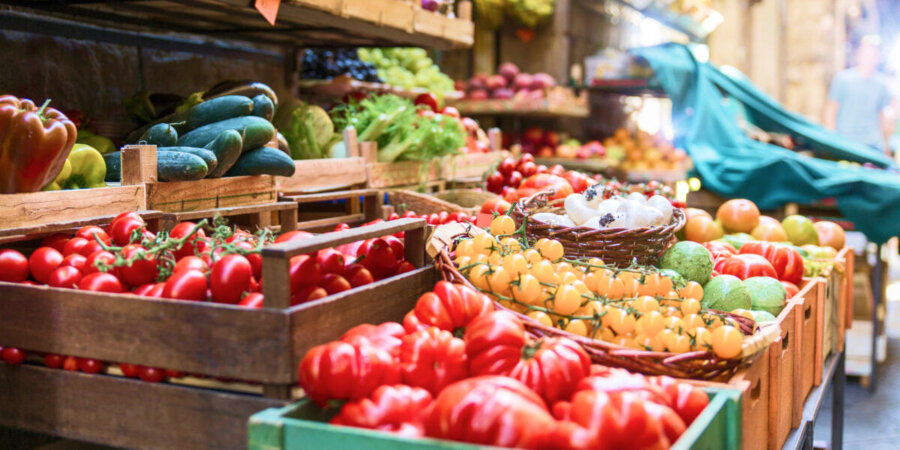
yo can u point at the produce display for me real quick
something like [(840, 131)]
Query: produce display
[(457, 370), (408, 68), (321, 64), (642, 151), (509, 83)]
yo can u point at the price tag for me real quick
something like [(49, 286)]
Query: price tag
[(269, 9)]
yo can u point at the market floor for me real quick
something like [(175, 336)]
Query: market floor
[(871, 421)]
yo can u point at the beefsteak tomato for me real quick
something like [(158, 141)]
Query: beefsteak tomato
[(387, 336), (450, 307), (341, 371), (787, 261), (432, 358), (397, 409), (745, 266)]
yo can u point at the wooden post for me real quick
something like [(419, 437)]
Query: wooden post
[(138, 164), (260, 220), (495, 136), (350, 142), (464, 10), (371, 206), (277, 287), (414, 244), (369, 151), (287, 218)]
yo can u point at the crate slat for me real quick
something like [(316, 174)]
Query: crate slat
[(21, 212), (782, 354), (324, 174), (209, 193), (806, 302)]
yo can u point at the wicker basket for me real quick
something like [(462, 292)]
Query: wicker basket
[(467, 198), (468, 201), (615, 246), (702, 365)]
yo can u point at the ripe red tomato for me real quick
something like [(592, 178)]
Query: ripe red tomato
[(433, 219), (331, 261), (13, 266), (70, 364), (790, 288), (56, 240), (186, 285), (293, 236), (746, 266), (458, 216), (493, 205), (141, 271), (92, 232), (358, 275), (623, 417), (720, 249), (151, 374), (308, 294), (526, 157), (450, 111), (90, 264), (304, 271), (124, 215), (252, 300), (65, 277), (152, 290), (494, 182), (90, 365), (190, 263), (514, 179), (74, 245), (378, 256), (130, 370), (334, 283), (101, 282), (787, 262), (12, 355), (397, 244), (53, 361), (432, 358), (90, 248), (688, 401), (396, 409), (255, 259), (543, 182), (506, 167), (184, 229), (122, 229), (528, 168), (427, 99), (451, 307), (341, 371), (43, 262), (387, 336)]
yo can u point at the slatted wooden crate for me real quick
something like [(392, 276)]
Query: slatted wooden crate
[(321, 212), (313, 175), (808, 305), (262, 346), (22, 211), (470, 165), (782, 380), (281, 215)]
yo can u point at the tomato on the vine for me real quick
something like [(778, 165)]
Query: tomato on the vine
[(230, 278), (64, 276), (53, 361), (56, 240), (13, 266), (142, 270), (252, 300), (151, 374), (92, 232), (87, 365), (181, 231), (121, 230), (186, 285), (101, 282), (190, 263), (74, 245), (43, 262), (90, 248), (12, 355), (90, 264), (130, 370)]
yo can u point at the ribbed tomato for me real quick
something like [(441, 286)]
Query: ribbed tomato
[(341, 371), (451, 307), (745, 266), (787, 262)]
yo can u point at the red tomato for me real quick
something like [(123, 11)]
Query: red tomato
[(489, 410), (92, 232), (387, 336), (378, 256), (308, 294), (688, 401), (331, 261), (506, 167), (43, 262), (787, 262), (341, 371), (614, 420), (12, 355), (397, 244), (121, 230), (151, 374), (13, 266), (451, 307), (182, 230), (304, 271), (790, 288), (514, 179), (141, 271), (494, 182), (720, 249), (255, 259), (252, 300), (527, 169), (74, 245), (90, 365), (526, 157), (746, 266), (341, 227), (542, 182), (153, 290), (334, 283), (458, 216), (173, 373), (126, 215), (442, 217), (70, 364), (90, 264), (53, 361), (557, 169), (495, 205), (450, 111), (101, 282), (230, 278), (395, 409), (409, 215), (65, 276), (56, 240), (186, 285), (358, 275), (293, 236), (130, 370), (579, 181), (190, 263), (393, 216), (433, 219), (432, 358), (404, 267), (90, 248), (428, 99)]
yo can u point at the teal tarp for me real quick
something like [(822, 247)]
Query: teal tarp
[(733, 165)]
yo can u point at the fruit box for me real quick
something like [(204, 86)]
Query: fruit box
[(304, 425), (322, 211), (25, 211), (782, 358), (261, 347), (462, 167), (808, 323)]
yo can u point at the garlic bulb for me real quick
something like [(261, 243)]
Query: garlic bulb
[(663, 205), (594, 222), (654, 217), (618, 221), (637, 197), (594, 195), (578, 210), (608, 206)]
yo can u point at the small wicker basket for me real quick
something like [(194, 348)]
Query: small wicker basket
[(615, 246), (461, 200)]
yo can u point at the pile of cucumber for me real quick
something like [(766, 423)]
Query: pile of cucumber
[(227, 135)]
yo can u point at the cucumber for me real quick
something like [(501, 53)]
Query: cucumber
[(227, 148), (179, 166), (263, 107), (207, 156), (210, 111), (263, 161), (113, 166), (255, 132), (161, 135), (170, 166)]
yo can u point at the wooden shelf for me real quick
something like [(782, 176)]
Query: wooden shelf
[(530, 108), (343, 85), (327, 23), (626, 86)]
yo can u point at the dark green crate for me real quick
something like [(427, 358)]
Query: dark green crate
[(304, 425)]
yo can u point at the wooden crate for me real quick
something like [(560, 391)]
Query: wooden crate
[(806, 330), (331, 6), (754, 384), (262, 346), (402, 174), (320, 212), (280, 215), (21, 211), (847, 257), (428, 22), (139, 167), (782, 355), (400, 15), (468, 166), (27, 233), (323, 175)]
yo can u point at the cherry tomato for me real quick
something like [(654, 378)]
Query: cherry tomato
[(304, 271), (124, 215), (141, 271), (92, 232), (528, 169), (230, 278), (255, 259), (494, 182), (90, 264), (65, 277), (393, 216), (173, 373), (43, 262), (57, 241), (293, 236), (13, 266), (514, 178), (331, 261), (74, 245), (101, 282), (252, 300), (404, 267), (334, 283), (90, 248), (341, 227), (53, 361), (122, 229), (70, 364), (12, 355), (130, 370), (180, 231), (358, 275), (87, 365), (308, 294), (151, 374), (433, 219), (186, 285), (190, 263), (450, 111), (506, 167)]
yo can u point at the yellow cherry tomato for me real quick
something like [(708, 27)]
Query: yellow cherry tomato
[(532, 256), (465, 247), (690, 306), (645, 304), (743, 312), (595, 264), (692, 321), (579, 327), (543, 271), (675, 324), (590, 280), (702, 339), (540, 316), (619, 320), (713, 321), (563, 267), (512, 244), (567, 300), (727, 342), (568, 277), (503, 225), (692, 289), (552, 250), (650, 324), (629, 287), (498, 280), (527, 289), (578, 284), (650, 284), (495, 259), (484, 244), (664, 286), (477, 275), (515, 264), (462, 261), (678, 343)]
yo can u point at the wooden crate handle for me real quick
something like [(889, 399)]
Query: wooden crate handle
[(138, 164), (369, 151), (350, 142), (464, 10)]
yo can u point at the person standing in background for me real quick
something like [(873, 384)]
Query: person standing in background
[(860, 100)]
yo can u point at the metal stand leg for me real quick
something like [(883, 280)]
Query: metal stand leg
[(837, 404), (877, 292)]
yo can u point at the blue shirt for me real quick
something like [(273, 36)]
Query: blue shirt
[(860, 101)]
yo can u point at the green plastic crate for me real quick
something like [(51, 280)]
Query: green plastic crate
[(304, 425)]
